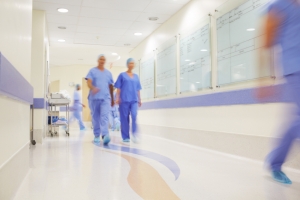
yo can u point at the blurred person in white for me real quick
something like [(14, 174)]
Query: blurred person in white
[(77, 107), (282, 27)]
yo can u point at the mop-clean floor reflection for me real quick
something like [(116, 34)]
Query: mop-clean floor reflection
[(76, 168)]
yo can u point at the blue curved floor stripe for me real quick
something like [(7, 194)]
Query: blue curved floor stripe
[(169, 163)]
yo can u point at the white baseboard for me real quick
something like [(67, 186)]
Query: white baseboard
[(13, 172)]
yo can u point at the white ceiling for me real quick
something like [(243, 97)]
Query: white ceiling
[(101, 26)]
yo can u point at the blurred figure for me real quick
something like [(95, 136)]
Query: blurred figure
[(282, 27), (114, 117), (100, 82), (128, 97), (77, 107)]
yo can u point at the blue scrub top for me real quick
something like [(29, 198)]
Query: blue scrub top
[(288, 36), (101, 80), (77, 101), (129, 87)]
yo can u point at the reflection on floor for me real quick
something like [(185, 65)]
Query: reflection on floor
[(155, 169)]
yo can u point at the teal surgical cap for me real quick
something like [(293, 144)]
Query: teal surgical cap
[(129, 60)]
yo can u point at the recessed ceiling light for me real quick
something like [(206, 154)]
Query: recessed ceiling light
[(138, 34), (62, 27), (251, 29), (187, 60), (126, 45), (197, 82), (203, 49), (61, 40), (181, 78), (62, 10), (114, 54), (153, 18)]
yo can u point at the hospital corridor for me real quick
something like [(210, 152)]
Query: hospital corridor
[(149, 100)]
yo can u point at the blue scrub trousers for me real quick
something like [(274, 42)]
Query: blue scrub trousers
[(77, 115), (100, 112), (278, 155), (126, 109)]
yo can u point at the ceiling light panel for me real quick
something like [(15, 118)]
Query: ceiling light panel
[(128, 5), (105, 23), (109, 14)]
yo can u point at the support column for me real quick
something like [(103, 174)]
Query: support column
[(39, 73)]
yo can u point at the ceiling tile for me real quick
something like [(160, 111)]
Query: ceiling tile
[(109, 14), (95, 42), (67, 2), (93, 36), (163, 8), (144, 17), (61, 34), (144, 27), (52, 8), (62, 19), (126, 5), (54, 27), (182, 2), (105, 23), (100, 31)]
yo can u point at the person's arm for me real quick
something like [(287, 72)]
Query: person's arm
[(111, 91), (92, 87), (140, 100), (270, 31), (118, 101)]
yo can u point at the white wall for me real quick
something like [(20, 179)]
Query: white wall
[(75, 74), (15, 44)]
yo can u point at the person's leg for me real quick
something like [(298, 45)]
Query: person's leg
[(96, 119), (124, 115), (91, 109), (77, 115), (104, 115), (278, 156), (133, 111)]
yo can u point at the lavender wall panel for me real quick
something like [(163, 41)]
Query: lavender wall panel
[(13, 84)]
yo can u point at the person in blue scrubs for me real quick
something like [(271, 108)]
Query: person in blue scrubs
[(100, 82), (282, 28), (77, 107), (128, 97)]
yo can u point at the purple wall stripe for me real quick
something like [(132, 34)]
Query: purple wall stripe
[(237, 97), (39, 103), (13, 84)]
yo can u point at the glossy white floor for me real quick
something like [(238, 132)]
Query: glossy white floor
[(74, 168)]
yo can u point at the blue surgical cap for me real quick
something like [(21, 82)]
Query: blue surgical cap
[(129, 60), (101, 55)]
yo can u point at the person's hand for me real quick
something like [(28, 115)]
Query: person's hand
[(83, 105), (265, 92), (112, 103), (118, 101), (95, 90), (140, 103)]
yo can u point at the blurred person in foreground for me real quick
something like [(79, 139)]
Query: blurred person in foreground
[(282, 27), (128, 97), (100, 82)]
